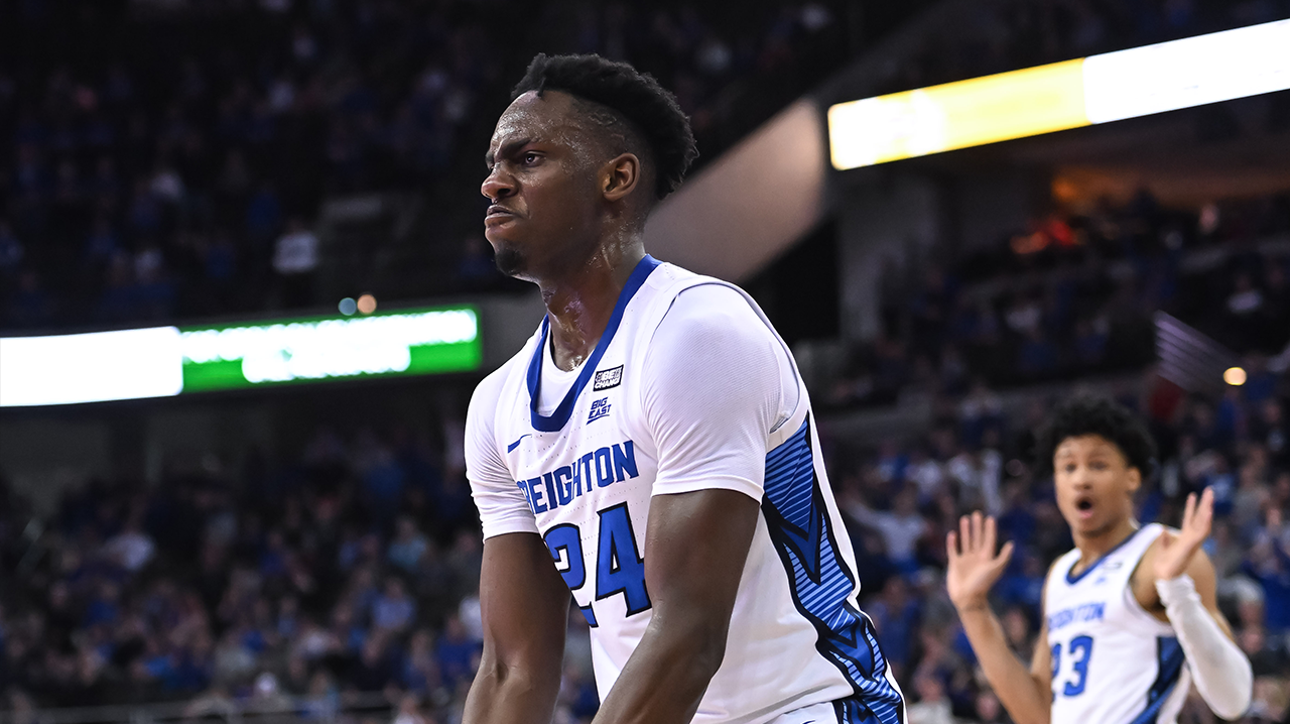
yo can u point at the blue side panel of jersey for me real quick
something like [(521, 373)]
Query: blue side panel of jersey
[(1169, 663), (820, 583)]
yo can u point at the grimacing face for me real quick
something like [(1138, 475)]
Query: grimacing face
[(542, 187), (1094, 484)]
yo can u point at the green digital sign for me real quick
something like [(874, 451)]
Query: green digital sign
[(130, 364), (310, 349)]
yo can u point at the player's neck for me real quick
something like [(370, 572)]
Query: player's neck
[(580, 301), (1095, 544)]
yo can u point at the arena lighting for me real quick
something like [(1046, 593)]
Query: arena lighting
[(1234, 376), (1098, 89), (94, 367), (167, 361)]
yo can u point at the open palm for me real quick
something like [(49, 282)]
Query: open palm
[(973, 564), (1176, 551)]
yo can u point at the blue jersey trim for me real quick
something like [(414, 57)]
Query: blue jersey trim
[(853, 711), (820, 582), (1169, 663), (560, 416), (1101, 558)]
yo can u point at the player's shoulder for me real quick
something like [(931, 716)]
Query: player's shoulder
[(671, 283), (696, 304), (1200, 564), (490, 390), (709, 316), (491, 386), (1150, 542)]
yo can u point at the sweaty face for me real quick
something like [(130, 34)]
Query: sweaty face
[(541, 187), (1094, 483)]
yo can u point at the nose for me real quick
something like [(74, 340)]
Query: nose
[(1080, 478), (498, 185)]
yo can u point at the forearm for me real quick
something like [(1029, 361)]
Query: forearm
[(1012, 682), (1222, 673), (509, 695), (666, 676)]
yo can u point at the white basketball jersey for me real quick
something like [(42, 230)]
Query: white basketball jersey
[(585, 475), (1113, 663)]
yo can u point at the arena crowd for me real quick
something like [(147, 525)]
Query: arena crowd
[(171, 178)]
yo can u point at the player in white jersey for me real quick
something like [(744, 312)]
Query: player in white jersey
[(651, 449), (1130, 614)]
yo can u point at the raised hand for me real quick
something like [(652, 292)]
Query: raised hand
[(973, 564), (1176, 551)]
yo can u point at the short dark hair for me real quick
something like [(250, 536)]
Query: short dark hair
[(635, 101), (1091, 415)]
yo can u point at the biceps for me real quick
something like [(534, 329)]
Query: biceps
[(523, 602), (695, 550)]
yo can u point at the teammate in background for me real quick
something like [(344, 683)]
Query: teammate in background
[(651, 449), (1130, 615)]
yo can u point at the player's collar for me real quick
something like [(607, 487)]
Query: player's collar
[(556, 421), (1078, 577)]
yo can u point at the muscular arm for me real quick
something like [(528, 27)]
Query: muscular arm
[(974, 568), (524, 604), (695, 550)]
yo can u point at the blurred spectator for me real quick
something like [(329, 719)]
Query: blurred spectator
[(132, 548), (901, 527), (408, 546), (393, 610), (295, 259), (456, 652)]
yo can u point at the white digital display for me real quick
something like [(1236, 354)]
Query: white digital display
[(94, 367)]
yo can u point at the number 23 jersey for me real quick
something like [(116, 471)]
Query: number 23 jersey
[(689, 388), (1113, 662)]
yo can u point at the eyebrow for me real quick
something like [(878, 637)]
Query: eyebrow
[(506, 150)]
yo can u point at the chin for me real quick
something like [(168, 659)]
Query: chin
[(510, 261), (1091, 528)]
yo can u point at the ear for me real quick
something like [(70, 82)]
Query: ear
[(1135, 480), (620, 176)]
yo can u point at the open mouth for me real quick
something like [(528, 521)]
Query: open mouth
[(1084, 506)]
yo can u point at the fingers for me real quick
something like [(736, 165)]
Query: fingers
[(1189, 510), (951, 546), (977, 534), (1198, 514), (1203, 515), (1205, 507), (1005, 555)]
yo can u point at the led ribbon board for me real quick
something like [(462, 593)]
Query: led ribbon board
[(1097, 89), (166, 361)]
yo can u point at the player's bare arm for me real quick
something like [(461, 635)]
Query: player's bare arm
[(1176, 583), (1173, 555), (524, 604), (695, 550), (973, 569)]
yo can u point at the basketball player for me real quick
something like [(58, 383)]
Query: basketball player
[(1130, 616), (651, 449)]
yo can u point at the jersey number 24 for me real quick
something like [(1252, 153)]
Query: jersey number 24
[(619, 566)]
